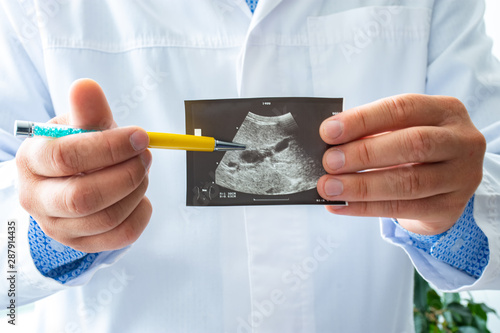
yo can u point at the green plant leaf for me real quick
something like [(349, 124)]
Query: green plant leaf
[(421, 325), (448, 317), (434, 300), (451, 298), (420, 290), (480, 324), (487, 309), (477, 309), (447, 313), (434, 329), (461, 314), (468, 329)]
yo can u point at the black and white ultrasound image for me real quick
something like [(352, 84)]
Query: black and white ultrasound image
[(275, 162), (283, 159)]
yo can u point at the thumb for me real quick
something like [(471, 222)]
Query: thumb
[(89, 106)]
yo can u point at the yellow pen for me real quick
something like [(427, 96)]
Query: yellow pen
[(24, 128)]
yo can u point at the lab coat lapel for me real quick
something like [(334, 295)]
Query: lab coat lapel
[(241, 4), (263, 9)]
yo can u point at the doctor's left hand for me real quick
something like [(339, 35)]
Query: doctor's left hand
[(421, 157)]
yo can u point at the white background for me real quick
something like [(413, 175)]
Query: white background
[(491, 298)]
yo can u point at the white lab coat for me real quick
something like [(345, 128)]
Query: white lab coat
[(278, 269)]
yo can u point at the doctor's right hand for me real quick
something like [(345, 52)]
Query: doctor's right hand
[(87, 191)]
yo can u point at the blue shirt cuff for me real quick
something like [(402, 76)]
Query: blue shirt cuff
[(54, 260), (464, 246)]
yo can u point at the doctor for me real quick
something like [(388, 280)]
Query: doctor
[(96, 254)]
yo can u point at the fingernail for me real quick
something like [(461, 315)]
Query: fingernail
[(332, 129), (335, 159), (146, 159), (139, 140), (333, 187)]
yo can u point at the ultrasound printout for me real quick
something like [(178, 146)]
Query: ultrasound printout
[(282, 161)]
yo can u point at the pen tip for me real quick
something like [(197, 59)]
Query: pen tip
[(228, 146)]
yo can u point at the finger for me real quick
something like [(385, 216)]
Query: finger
[(84, 152), (86, 194), (391, 114), (412, 145), (437, 210), (60, 120), (123, 235), (98, 223), (89, 106), (407, 182)]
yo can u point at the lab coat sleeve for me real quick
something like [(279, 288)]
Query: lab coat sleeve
[(24, 94), (460, 64)]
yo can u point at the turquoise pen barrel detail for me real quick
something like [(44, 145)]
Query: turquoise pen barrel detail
[(57, 131), (24, 128)]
